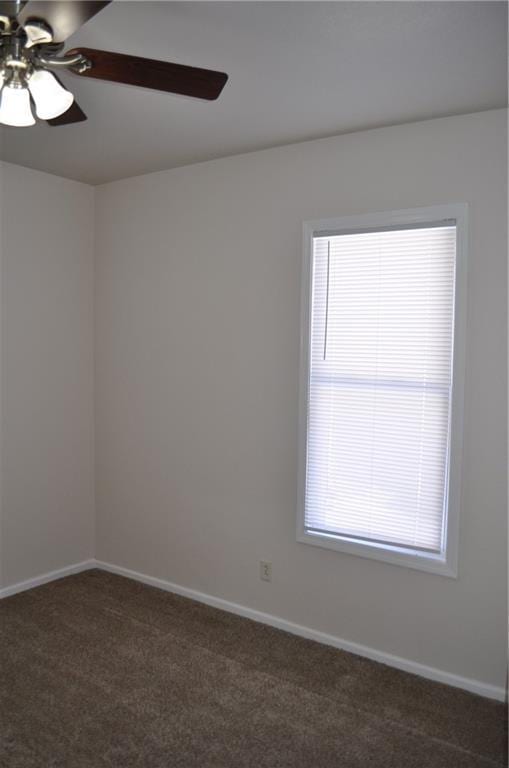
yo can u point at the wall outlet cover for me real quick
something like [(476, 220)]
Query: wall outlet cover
[(265, 570)]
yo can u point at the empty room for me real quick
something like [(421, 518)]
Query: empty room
[(253, 384)]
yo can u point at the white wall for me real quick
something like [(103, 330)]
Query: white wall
[(46, 366), (197, 342)]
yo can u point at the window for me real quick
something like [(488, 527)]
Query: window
[(381, 391)]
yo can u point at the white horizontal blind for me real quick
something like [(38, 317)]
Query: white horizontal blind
[(380, 385)]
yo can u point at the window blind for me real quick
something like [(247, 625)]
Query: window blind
[(379, 390)]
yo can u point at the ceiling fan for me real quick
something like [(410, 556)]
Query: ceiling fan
[(32, 38)]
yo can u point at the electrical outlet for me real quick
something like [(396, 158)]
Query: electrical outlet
[(265, 570)]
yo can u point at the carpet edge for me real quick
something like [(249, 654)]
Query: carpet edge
[(487, 690)]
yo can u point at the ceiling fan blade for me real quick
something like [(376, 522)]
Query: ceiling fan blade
[(73, 115), (63, 16), (149, 73)]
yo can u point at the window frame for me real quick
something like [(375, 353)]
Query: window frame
[(446, 562)]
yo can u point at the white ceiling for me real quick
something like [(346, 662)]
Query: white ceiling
[(298, 70)]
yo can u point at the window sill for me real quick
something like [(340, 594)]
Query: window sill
[(409, 558)]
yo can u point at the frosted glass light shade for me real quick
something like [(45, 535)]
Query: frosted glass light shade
[(15, 107), (51, 98)]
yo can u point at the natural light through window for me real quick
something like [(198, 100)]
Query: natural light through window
[(379, 386)]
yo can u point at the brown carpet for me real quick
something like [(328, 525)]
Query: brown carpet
[(97, 670)]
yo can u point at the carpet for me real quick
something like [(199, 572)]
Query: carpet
[(99, 671)]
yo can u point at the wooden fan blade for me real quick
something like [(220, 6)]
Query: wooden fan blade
[(149, 73), (73, 115), (63, 16)]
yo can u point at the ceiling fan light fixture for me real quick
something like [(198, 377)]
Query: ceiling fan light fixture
[(33, 36), (15, 107), (50, 97)]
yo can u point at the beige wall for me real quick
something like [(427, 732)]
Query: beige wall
[(197, 351), (197, 333), (46, 367)]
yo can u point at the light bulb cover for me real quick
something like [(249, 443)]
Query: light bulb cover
[(50, 97), (15, 107)]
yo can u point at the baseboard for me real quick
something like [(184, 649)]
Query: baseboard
[(407, 665), (44, 578), (474, 686)]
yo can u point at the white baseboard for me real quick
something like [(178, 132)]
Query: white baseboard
[(414, 667), (44, 578)]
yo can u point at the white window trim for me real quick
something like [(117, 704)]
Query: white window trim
[(445, 564)]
